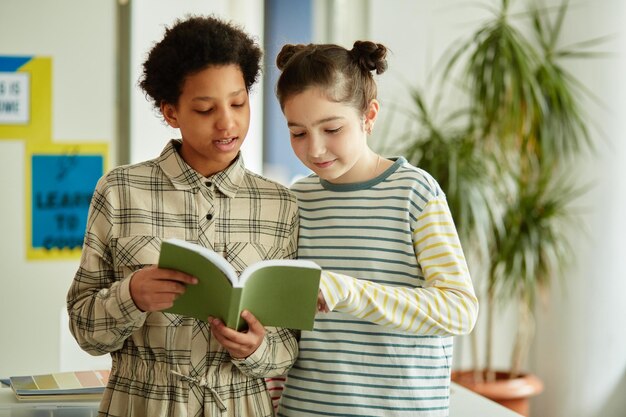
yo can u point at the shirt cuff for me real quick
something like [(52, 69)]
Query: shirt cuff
[(334, 288), (251, 362), (128, 310)]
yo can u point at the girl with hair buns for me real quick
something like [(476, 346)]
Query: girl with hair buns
[(395, 285)]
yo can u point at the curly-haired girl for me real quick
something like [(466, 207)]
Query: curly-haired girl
[(199, 77)]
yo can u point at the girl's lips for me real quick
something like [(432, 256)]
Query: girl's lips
[(225, 145), (323, 164)]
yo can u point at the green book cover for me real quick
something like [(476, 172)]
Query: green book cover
[(279, 292)]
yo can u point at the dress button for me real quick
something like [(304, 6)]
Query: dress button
[(208, 183), (209, 216)]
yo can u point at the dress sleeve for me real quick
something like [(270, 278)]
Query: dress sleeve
[(276, 354), (445, 304), (291, 251), (101, 311)]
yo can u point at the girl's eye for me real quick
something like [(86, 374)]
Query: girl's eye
[(207, 111), (238, 104), (333, 131), (297, 134)]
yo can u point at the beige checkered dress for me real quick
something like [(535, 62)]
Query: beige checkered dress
[(165, 364)]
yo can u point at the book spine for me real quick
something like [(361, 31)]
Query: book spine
[(234, 313)]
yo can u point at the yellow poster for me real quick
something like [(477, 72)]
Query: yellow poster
[(62, 178), (26, 98)]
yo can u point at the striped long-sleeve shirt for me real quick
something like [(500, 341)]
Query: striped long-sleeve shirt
[(397, 283)]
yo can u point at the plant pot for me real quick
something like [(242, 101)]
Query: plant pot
[(513, 393)]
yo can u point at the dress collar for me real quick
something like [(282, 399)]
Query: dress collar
[(183, 177)]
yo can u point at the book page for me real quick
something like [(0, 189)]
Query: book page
[(283, 293), (251, 269), (212, 256), (212, 294)]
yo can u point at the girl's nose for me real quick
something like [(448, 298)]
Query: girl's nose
[(317, 147), (225, 119)]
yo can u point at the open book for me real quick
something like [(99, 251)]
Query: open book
[(279, 292), (61, 386)]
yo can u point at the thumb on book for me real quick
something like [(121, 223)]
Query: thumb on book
[(254, 324)]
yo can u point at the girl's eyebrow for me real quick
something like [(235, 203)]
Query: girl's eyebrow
[(319, 122), (209, 98)]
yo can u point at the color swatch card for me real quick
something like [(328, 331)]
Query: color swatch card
[(78, 385)]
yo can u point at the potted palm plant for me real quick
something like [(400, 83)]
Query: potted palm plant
[(504, 158)]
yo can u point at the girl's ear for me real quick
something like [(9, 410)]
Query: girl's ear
[(169, 113), (371, 114)]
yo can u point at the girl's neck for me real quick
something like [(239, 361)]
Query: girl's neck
[(370, 166), (379, 166)]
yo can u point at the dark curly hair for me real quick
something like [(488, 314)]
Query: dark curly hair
[(345, 75), (191, 45)]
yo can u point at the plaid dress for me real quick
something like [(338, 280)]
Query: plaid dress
[(164, 364)]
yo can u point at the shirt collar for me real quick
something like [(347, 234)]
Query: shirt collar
[(183, 177)]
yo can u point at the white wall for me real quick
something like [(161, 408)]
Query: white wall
[(79, 36), (580, 351)]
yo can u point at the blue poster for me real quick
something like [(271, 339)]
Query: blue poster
[(62, 187)]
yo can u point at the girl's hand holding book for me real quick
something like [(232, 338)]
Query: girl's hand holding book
[(155, 289), (240, 345), (322, 307)]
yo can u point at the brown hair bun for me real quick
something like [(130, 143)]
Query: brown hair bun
[(370, 56), (285, 54)]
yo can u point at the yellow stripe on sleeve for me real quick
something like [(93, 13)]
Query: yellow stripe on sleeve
[(466, 307), (333, 300), (395, 305), (385, 301), (416, 313), (432, 213), (369, 313), (429, 225), (403, 315), (432, 235), (429, 328), (438, 244), (437, 256), (369, 304)]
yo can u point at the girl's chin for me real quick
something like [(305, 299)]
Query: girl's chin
[(325, 175), (322, 173)]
